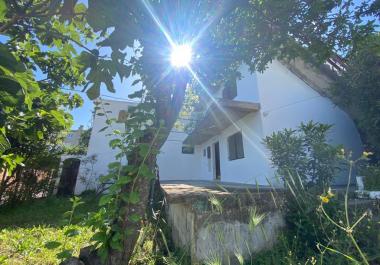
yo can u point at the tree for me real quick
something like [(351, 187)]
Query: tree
[(357, 90), (223, 33)]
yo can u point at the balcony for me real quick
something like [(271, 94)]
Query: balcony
[(218, 117)]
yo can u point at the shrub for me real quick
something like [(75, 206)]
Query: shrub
[(371, 175), (304, 153), (320, 223)]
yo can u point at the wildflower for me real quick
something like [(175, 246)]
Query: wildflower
[(330, 194), (324, 199), (367, 154)]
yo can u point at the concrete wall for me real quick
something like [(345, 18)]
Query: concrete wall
[(208, 235)]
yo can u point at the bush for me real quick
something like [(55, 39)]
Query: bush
[(321, 227), (304, 153), (371, 175)]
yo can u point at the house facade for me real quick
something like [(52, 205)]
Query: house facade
[(226, 145)]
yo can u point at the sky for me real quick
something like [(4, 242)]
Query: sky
[(82, 115)]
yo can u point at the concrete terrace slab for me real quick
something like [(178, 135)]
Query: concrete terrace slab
[(231, 193)]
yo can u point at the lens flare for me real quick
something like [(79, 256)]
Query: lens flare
[(181, 55)]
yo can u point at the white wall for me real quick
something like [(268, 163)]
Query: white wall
[(173, 164), (253, 168), (285, 101), (247, 89), (99, 143)]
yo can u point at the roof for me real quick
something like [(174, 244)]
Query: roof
[(220, 115)]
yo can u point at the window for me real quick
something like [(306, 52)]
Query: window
[(208, 152), (235, 146), (230, 90), (186, 149), (123, 116)]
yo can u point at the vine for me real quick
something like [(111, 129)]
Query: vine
[(138, 144)]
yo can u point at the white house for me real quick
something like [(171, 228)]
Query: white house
[(227, 142)]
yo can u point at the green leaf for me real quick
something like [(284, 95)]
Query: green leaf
[(114, 188), (124, 180), (105, 199), (4, 143), (105, 178), (146, 172), (58, 116), (3, 9), (116, 245), (114, 143), (52, 244), (134, 197), (143, 149), (40, 135), (67, 253), (72, 232), (94, 91), (100, 236), (134, 217), (7, 59)]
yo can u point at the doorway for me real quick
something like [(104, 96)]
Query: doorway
[(69, 176), (217, 173)]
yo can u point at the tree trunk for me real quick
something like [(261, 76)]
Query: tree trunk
[(169, 114)]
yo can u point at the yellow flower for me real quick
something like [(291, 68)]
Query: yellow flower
[(366, 154), (324, 199), (330, 194)]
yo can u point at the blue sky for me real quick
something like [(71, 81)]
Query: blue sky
[(82, 115)]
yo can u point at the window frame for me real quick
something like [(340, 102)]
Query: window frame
[(187, 150), (235, 151)]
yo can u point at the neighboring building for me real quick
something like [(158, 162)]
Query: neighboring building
[(69, 164), (73, 137), (226, 145)]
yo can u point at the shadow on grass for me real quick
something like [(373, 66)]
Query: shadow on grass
[(46, 211)]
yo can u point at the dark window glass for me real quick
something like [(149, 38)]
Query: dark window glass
[(187, 149), (230, 90), (123, 116), (208, 152), (235, 146)]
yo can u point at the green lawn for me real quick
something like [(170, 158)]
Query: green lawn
[(26, 228)]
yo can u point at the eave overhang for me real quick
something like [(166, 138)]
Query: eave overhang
[(220, 115)]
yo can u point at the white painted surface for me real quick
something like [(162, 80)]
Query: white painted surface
[(285, 101), (173, 164), (99, 142), (247, 89)]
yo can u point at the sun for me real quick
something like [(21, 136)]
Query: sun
[(181, 55)]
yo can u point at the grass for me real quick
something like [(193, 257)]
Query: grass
[(26, 228)]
